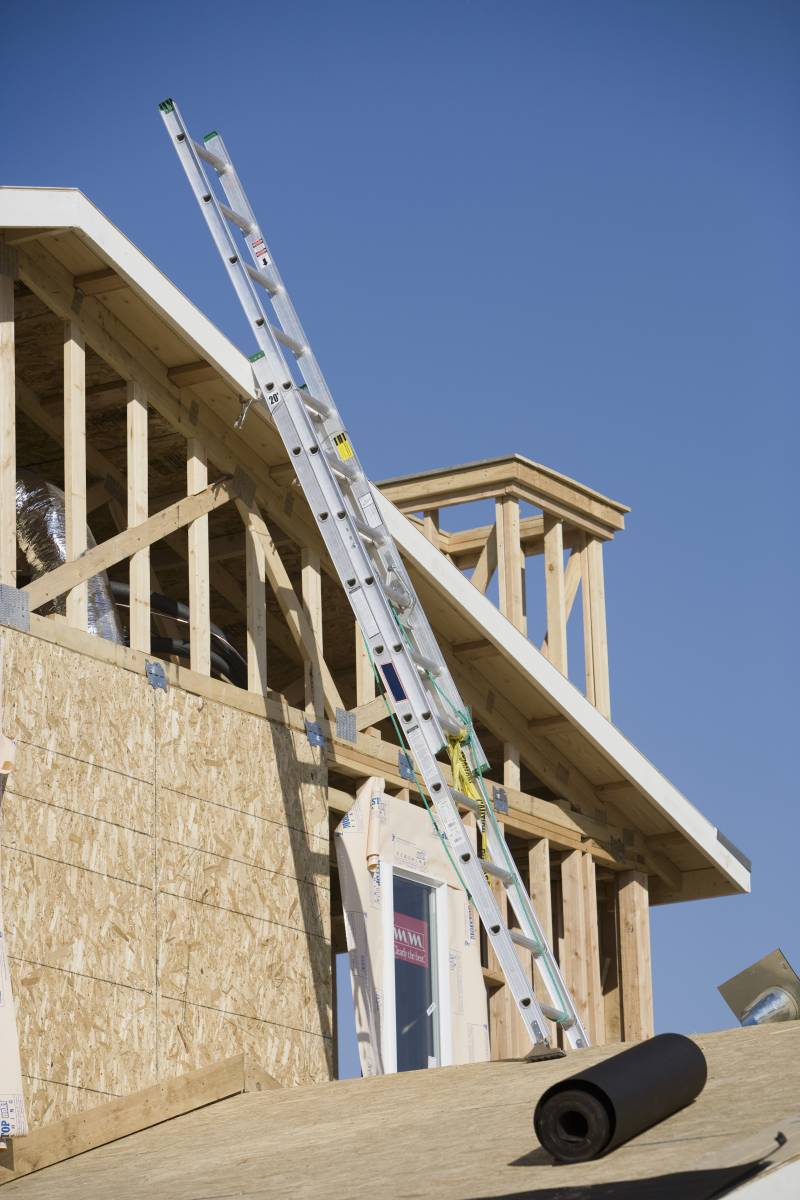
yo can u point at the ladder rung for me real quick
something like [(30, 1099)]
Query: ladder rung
[(527, 943), (499, 872), (467, 801), (318, 406), (236, 218), (297, 348), (345, 469), (426, 665), (263, 279), (375, 536), (219, 164), (556, 1014)]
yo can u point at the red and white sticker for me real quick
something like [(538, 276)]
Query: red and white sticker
[(410, 940)]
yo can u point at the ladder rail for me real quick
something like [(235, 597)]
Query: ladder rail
[(333, 424), (290, 417), (419, 687)]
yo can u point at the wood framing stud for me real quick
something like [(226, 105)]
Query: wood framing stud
[(256, 614), (574, 966), (595, 638), (634, 955), (8, 454), (510, 562), (289, 604), (595, 1009), (555, 593), (75, 465), (541, 898), (199, 580), (139, 568), (311, 582)]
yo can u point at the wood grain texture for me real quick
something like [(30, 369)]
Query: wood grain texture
[(386, 1135), (199, 580), (107, 1122), (636, 980), (75, 464), (139, 566), (555, 593), (144, 835)]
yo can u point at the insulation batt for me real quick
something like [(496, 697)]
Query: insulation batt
[(42, 539)]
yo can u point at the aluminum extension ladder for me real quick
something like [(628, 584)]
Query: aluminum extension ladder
[(404, 650)]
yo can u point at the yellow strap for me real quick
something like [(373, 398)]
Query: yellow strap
[(464, 782)]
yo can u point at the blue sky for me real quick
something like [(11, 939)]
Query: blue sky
[(564, 229)]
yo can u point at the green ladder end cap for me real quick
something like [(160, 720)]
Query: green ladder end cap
[(211, 135), (255, 357), (167, 105)]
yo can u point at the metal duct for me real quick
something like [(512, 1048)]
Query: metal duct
[(41, 536)]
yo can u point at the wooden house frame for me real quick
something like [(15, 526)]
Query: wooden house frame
[(114, 387)]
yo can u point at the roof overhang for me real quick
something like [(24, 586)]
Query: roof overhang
[(32, 213)]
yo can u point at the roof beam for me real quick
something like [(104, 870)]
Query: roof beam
[(190, 373), (93, 283)]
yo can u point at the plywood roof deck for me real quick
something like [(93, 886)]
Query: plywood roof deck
[(455, 1133)]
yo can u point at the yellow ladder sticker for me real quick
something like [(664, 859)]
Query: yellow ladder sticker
[(343, 448)]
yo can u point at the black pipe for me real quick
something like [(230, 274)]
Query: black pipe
[(180, 648), (595, 1111), (227, 658)]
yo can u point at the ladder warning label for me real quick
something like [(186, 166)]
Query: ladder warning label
[(343, 448)]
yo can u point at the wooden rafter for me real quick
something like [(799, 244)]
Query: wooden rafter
[(93, 283)]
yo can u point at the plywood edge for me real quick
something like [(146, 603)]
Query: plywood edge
[(130, 1114)]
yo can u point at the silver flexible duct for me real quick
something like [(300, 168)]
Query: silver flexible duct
[(42, 538)]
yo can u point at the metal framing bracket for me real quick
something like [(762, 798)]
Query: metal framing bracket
[(156, 675), (345, 725), (405, 766), (314, 733), (500, 800), (15, 608)]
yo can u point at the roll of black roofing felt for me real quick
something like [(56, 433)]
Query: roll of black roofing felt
[(596, 1110)]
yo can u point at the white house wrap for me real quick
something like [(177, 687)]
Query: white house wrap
[(379, 840)]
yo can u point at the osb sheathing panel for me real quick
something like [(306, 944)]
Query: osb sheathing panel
[(59, 700), (45, 829), (191, 1036), (235, 759), (47, 1102), (81, 921), (84, 1032), (239, 888), (135, 816), (82, 787), (238, 964), (242, 837)]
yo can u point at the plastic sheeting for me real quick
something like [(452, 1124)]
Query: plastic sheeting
[(42, 538), (395, 836)]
